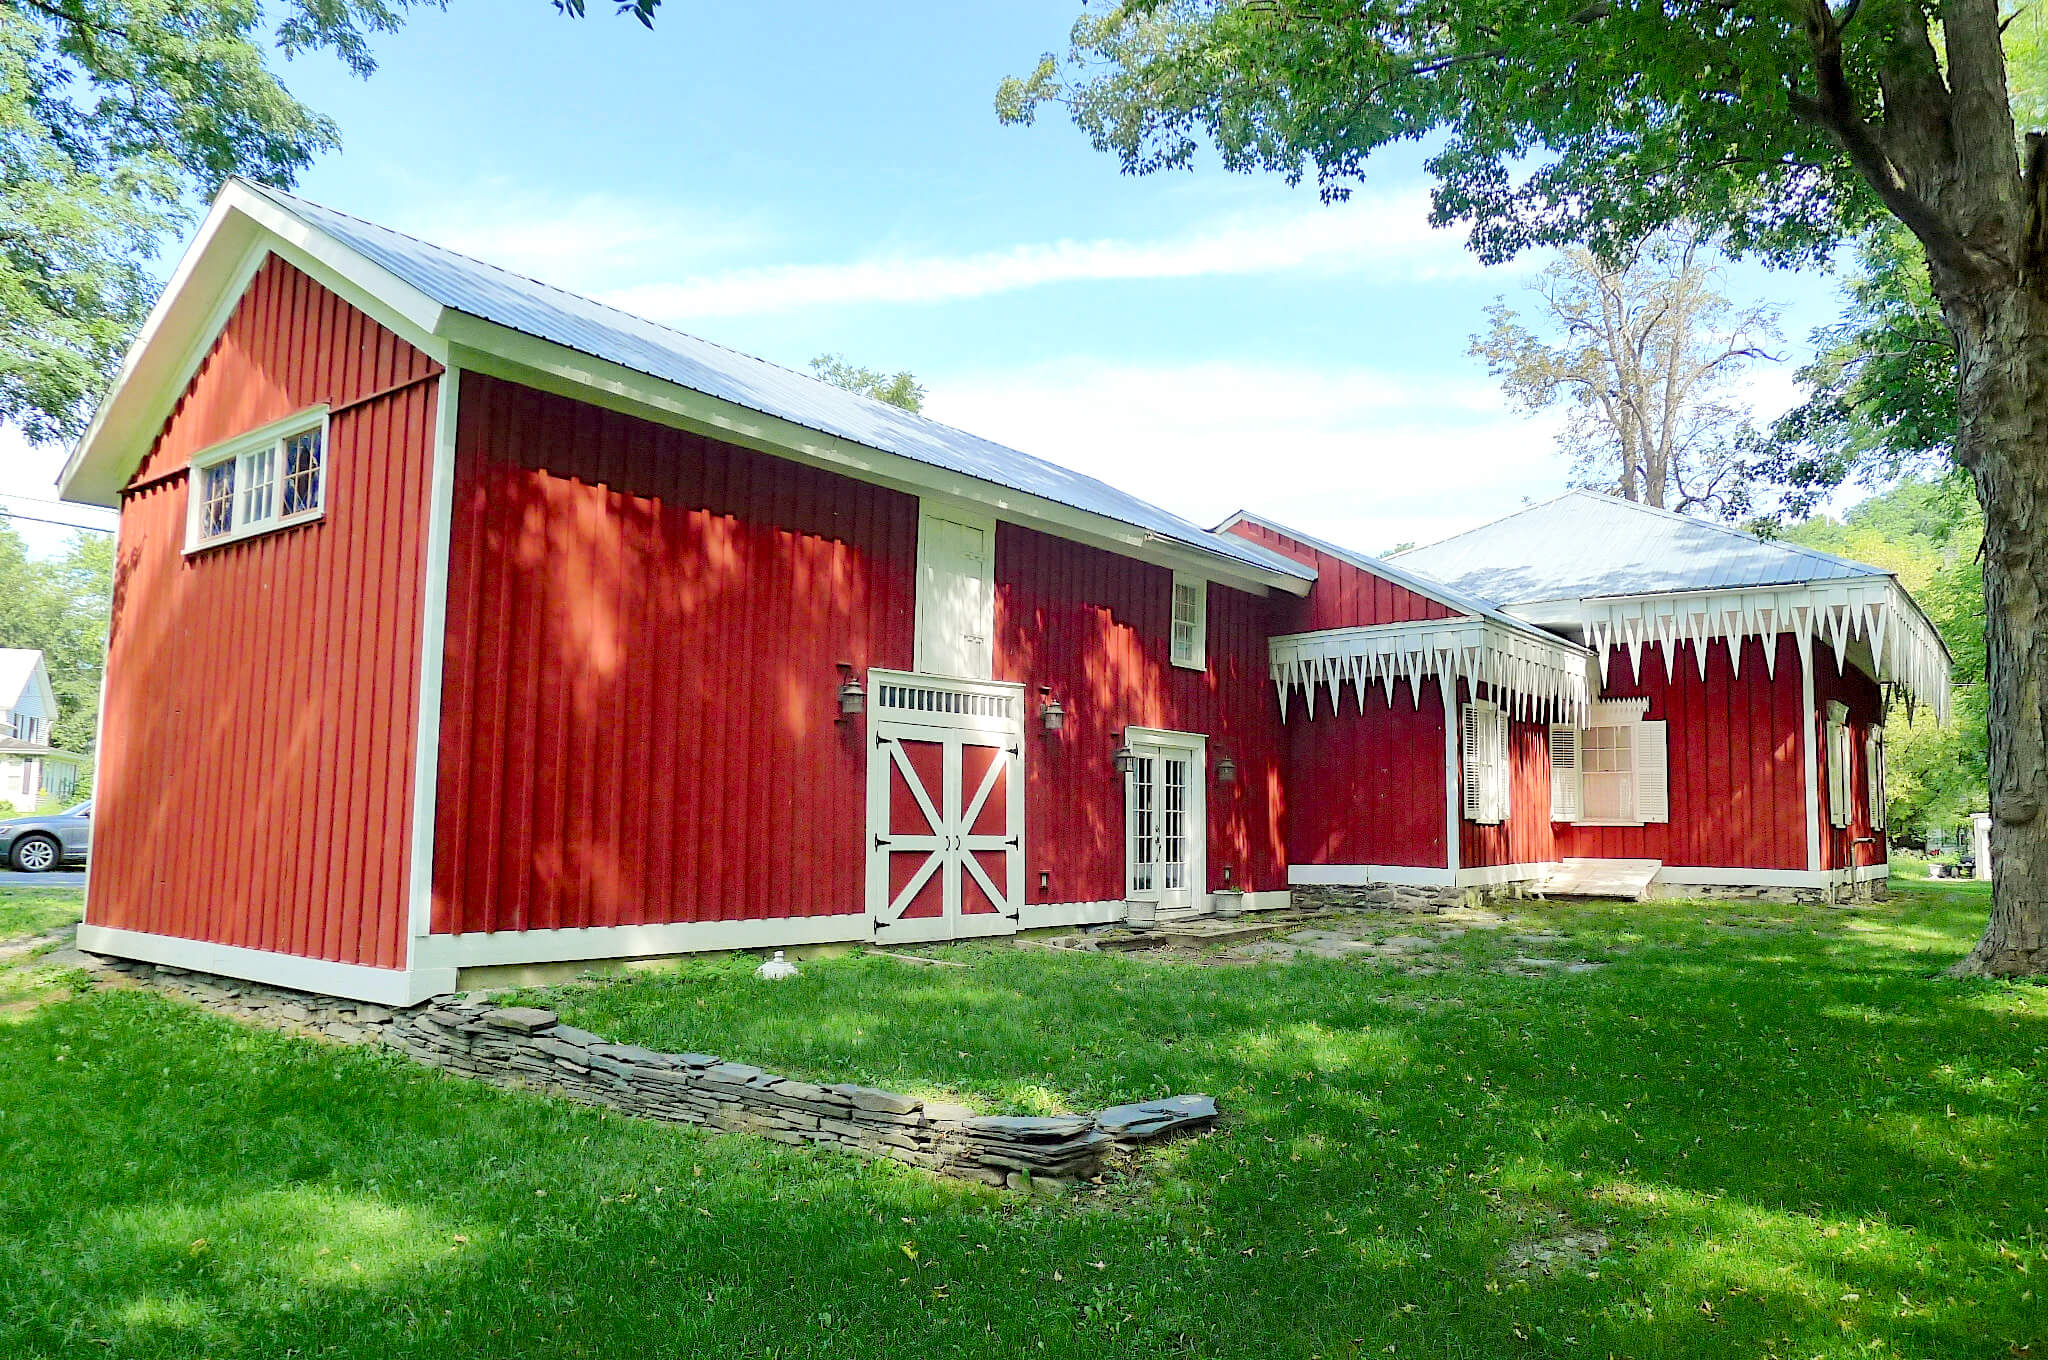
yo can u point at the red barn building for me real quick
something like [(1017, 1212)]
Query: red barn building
[(463, 622)]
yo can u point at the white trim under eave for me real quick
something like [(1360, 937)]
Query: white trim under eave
[(480, 949), (382, 986), (426, 751), (515, 356)]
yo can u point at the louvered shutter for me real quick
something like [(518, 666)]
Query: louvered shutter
[(1873, 769), (1653, 773), (1503, 782), (1473, 762), (1838, 775), (1565, 799)]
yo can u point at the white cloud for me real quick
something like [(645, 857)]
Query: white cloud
[(1363, 458), (1388, 237), (28, 485)]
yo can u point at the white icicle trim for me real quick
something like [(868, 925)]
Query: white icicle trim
[(1536, 678)]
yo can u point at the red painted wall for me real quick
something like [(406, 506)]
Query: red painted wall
[(255, 774), (1738, 791), (1093, 626), (1838, 848), (1526, 836), (1368, 788), (1344, 596), (640, 693)]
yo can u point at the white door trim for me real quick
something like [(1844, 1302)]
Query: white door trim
[(1195, 746), (938, 575)]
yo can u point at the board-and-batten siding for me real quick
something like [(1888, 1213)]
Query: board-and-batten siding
[(1737, 761), (255, 773), (1525, 836), (1092, 625), (641, 679), (1369, 787), (1865, 700), (1344, 596)]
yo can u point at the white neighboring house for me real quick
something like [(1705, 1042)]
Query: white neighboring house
[(29, 766)]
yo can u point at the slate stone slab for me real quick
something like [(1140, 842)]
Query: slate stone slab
[(521, 1019), (874, 1098), (1148, 1120)]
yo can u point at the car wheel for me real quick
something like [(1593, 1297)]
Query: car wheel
[(35, 854)]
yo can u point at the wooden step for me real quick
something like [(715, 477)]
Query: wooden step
[(1627, 879)]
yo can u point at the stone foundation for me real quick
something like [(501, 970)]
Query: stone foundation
[(521, 1046)]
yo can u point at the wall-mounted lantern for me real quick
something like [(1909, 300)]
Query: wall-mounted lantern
[(1226, 771), (1124, 760), (1051, 713), (853, 700)]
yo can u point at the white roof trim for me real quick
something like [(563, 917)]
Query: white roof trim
[(1537, 676), (1905, 649)]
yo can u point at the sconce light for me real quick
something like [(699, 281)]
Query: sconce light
[(1052, 714), (853, 700), (1124, 760), (1226, 771)]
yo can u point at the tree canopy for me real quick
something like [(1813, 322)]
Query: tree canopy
[(898, 389)]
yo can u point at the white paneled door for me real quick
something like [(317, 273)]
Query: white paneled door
[(1165, 841), (945, 811)]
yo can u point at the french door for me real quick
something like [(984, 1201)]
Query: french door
[(1165, 820), (945, 809)]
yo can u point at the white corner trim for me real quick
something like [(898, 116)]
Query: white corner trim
[(426, 751), (1454, 783), (1043, 915), (1809, 738), (358, 982), (1364, 875), (482, 948)]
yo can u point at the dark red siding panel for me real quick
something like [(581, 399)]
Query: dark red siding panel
[(1092, 626), (1737, 762), (644, 631), (1368, 787), (1526, 836), (255, 783), (1859, 843), (1344, 596)]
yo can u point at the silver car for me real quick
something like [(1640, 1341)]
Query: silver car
[(36, 845)]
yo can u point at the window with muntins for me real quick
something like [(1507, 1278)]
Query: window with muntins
[(1190, 640), (1615, 774), (271, 478)]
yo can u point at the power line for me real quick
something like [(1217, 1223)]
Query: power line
[(59, 523)]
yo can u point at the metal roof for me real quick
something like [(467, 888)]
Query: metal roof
[(1584, 545), (590, 327), (1403, 575)]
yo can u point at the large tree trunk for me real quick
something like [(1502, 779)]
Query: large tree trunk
[(2002, 438)]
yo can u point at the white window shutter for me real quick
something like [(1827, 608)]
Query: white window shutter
[(1838, 774), (1472, 764), (1565, 799), (1503, 783), (1873, 768), (1653, 772)]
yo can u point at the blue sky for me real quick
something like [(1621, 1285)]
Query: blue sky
[(808, 177)]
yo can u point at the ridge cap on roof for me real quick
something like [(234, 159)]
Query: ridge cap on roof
[(1496, 520)]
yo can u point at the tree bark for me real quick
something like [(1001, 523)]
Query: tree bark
[(2002, 438)]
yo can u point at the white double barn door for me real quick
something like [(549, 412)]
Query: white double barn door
[(945, 808)]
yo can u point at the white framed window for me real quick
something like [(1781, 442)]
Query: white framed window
[(267, 479), (27, 727), (1189, 645), (1613, 774), (1873, 772), (1483, 743)]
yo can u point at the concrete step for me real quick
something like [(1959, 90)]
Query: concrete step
[(1627, 879)]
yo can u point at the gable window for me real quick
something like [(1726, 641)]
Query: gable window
[(26, 727), (270, 478), (1613, 773), (1483, 742), (1190, 639)]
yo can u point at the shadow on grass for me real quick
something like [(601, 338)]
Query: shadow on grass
[(1798, 1143)]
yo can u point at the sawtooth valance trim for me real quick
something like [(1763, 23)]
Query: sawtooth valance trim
[(1532, 677), (1904, 646)]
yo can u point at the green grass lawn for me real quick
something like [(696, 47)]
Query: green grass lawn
[(1795, 1139), (31, 911)]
